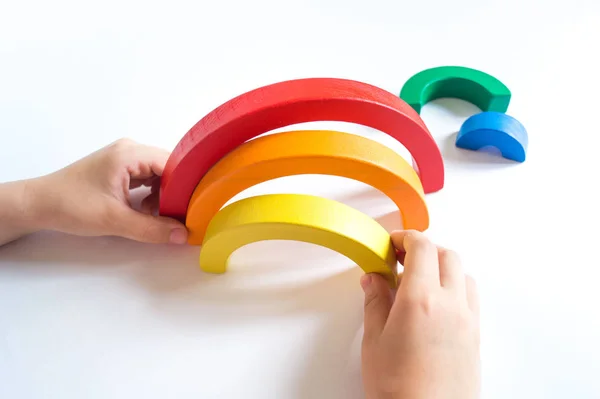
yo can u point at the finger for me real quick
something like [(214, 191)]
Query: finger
[(151, 162), (451, 271), (148, 182), (137, 226), (155, 185), (472, 294), (144, 161), (149, 204), (378, 302), (420, 260)]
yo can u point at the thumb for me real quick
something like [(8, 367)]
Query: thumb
[(378, 303), (147, 228)]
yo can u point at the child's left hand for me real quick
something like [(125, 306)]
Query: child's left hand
[(91, 197)]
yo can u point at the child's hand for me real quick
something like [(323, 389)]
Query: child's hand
[(423, 341), (91, 196)]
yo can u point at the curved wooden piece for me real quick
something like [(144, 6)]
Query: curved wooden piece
[(304, 218), (476, 87), (288, 103), (308, 152), (494, 129)]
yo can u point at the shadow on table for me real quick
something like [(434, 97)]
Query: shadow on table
[(487, 157), (180, 294), (332, 366), (262, 285)]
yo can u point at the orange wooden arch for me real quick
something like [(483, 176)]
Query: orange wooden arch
[(307, 152)]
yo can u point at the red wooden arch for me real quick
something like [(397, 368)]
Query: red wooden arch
[(296, 101)]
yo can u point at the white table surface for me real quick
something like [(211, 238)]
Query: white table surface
[(107, 318)]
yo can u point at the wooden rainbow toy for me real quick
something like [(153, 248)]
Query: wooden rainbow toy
[(215, 161)]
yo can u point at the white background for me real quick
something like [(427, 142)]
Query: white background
[(107, 318)]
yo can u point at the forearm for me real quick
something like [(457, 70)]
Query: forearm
[(17, 210)]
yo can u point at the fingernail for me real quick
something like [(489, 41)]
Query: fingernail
[(365, 281), (178, 236)]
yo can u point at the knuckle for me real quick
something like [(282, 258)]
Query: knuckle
[(148, 233), (412, 235), (428, 304), (123, 142), (448, 255), (417, 241), (420, 300), (447, 252), (118, 152), (371, 301)]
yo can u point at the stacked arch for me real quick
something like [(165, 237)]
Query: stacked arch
[(221, 156)]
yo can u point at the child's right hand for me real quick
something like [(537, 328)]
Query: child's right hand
[(423, 341)]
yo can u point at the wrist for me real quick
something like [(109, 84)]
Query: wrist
[(39, 211), (31, 199), (18, 209)]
